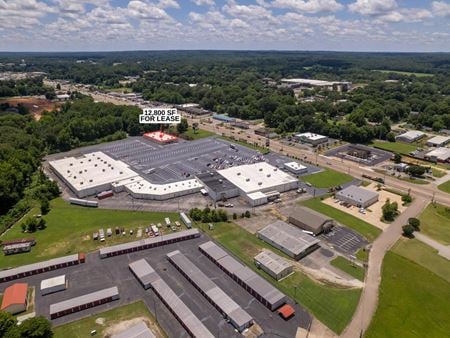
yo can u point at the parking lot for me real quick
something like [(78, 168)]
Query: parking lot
[(374, 156), (97, 274), (344, 240)]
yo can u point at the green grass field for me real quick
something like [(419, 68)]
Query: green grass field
[(438, 173), (362, 255), (331, 305), (199, 133), (402, 73), (367, 230), (327, 178), (413, 302), (348, 267), (413, 180), (435, 223), (396, 147), (262, 150), (82, 328), (423, 255), (445, 187), (69, 230)]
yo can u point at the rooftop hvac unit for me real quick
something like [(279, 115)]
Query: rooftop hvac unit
[(103, 170), (91, 180), (68, 171), (247, 180), (275, 169), (95, 164), (71, 164), (259, 183), (260, 169), (238, 174), (220, 181), (211, 174), (268, 175), (81, 183)]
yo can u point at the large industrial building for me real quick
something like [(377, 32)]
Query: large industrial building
[(15, 298), (274, 265), (215, 295), (289, 239), (441, 154), (217, 186), (438, 141), (311, 83), (310, 220), (410, 136), (357, 196)]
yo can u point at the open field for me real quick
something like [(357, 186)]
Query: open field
[(402, 73), (396, 147), (367, 230), (82, 328), (34, 104), (413, 301), (445, 187), (331, 305), (414, 180), (437, 173), (69, 230), (262, 150), (423, 255), (362, 255), (199, 133), (327, 178), (435, 223), (348, 267)]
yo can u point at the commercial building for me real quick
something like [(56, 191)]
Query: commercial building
[(139, 330), (259, 177), (83, 302), (160, 137), (148, 243), (410, 136), (311, 138), (148, 277), (53, 285), (223, 118), (295, 168), (311, 83), (257, 286), (215, 295), (217, 186), (33, 269), (357, 196), (438, 141), (15, 298), (440, 154), (274, 265), (289, 239), (310, 220)]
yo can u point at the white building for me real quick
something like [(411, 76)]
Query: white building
[(311, 83), (357, 196), (274, 265), (311, 138), (441, 154), (410, 136), (295, 168), (52, 285), (438, 141)]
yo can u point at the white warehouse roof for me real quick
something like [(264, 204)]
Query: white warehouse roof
[(412, 135), (441, 153), (439, 140), (295, 166), (310, 136), (257, 177), (52, 282)]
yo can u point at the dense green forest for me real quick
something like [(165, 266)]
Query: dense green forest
[(30, 86)]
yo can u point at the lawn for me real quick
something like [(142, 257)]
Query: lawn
[(403, 73), (199, 133), (362, 255), (413, 302), (262, 150), (438, 173), (82, 328), (396, 147), (435, 222), (423, 255), (445, 187), (327, 178), (348, 267), (69, 230), (367, 230), (413, 180), (331, 305)]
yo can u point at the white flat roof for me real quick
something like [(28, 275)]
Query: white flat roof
[(91, 170), (441, 153), (313, 82), (439, 139), (256, 195), (256, 177), (51, 282), (311, 136), (295, 165), (145, 187), (412, 134)]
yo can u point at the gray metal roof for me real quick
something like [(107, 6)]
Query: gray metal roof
[(311, 218), (85, 299), (147, 241), (140, 330), (213, 250), (143, 271), (288, 236), (204, 283), (40, 265), (272, 261), (357, 194), (230, 264)]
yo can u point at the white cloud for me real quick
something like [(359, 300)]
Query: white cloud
[(203, 2), (373, 7), (441, 8), (310, 6), (168, 4), (146, 11)]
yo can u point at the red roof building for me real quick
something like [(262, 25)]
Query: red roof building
[(160, 137), (15, 298), (286, 311)]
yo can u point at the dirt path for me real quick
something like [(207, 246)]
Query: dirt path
[(369, 297)]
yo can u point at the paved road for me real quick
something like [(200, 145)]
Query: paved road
[(369, 297), (443, 250)]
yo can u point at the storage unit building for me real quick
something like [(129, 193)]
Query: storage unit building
[(221, 301), (148, 243), (257, 286), (140, 330), (33, 269), (15, 298), (190, 322), (274, 265), (357, 196), (84, 302), (52, 285), (289, 239), (310, 220)]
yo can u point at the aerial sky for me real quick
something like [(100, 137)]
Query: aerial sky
[(340, 25)]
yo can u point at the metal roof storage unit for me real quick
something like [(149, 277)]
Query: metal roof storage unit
[(257, 286), (274, 265), (143, 272), (83, 302), (185, 220), (140, 330), (227, 306), (148, 243), (52, 285)]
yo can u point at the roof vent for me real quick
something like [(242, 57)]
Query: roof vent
[(247, 180), (259, 183)]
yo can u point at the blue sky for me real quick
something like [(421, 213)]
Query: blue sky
[(355, 25)]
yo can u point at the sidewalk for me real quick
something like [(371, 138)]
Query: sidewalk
[(443, 250)]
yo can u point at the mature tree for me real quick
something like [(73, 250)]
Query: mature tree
[(415, 223), (183, 126), (390, 210), (390, 137), (45, 206), (397, 158), (416, 170), (408, 231), (37, 327), (7, 323)]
